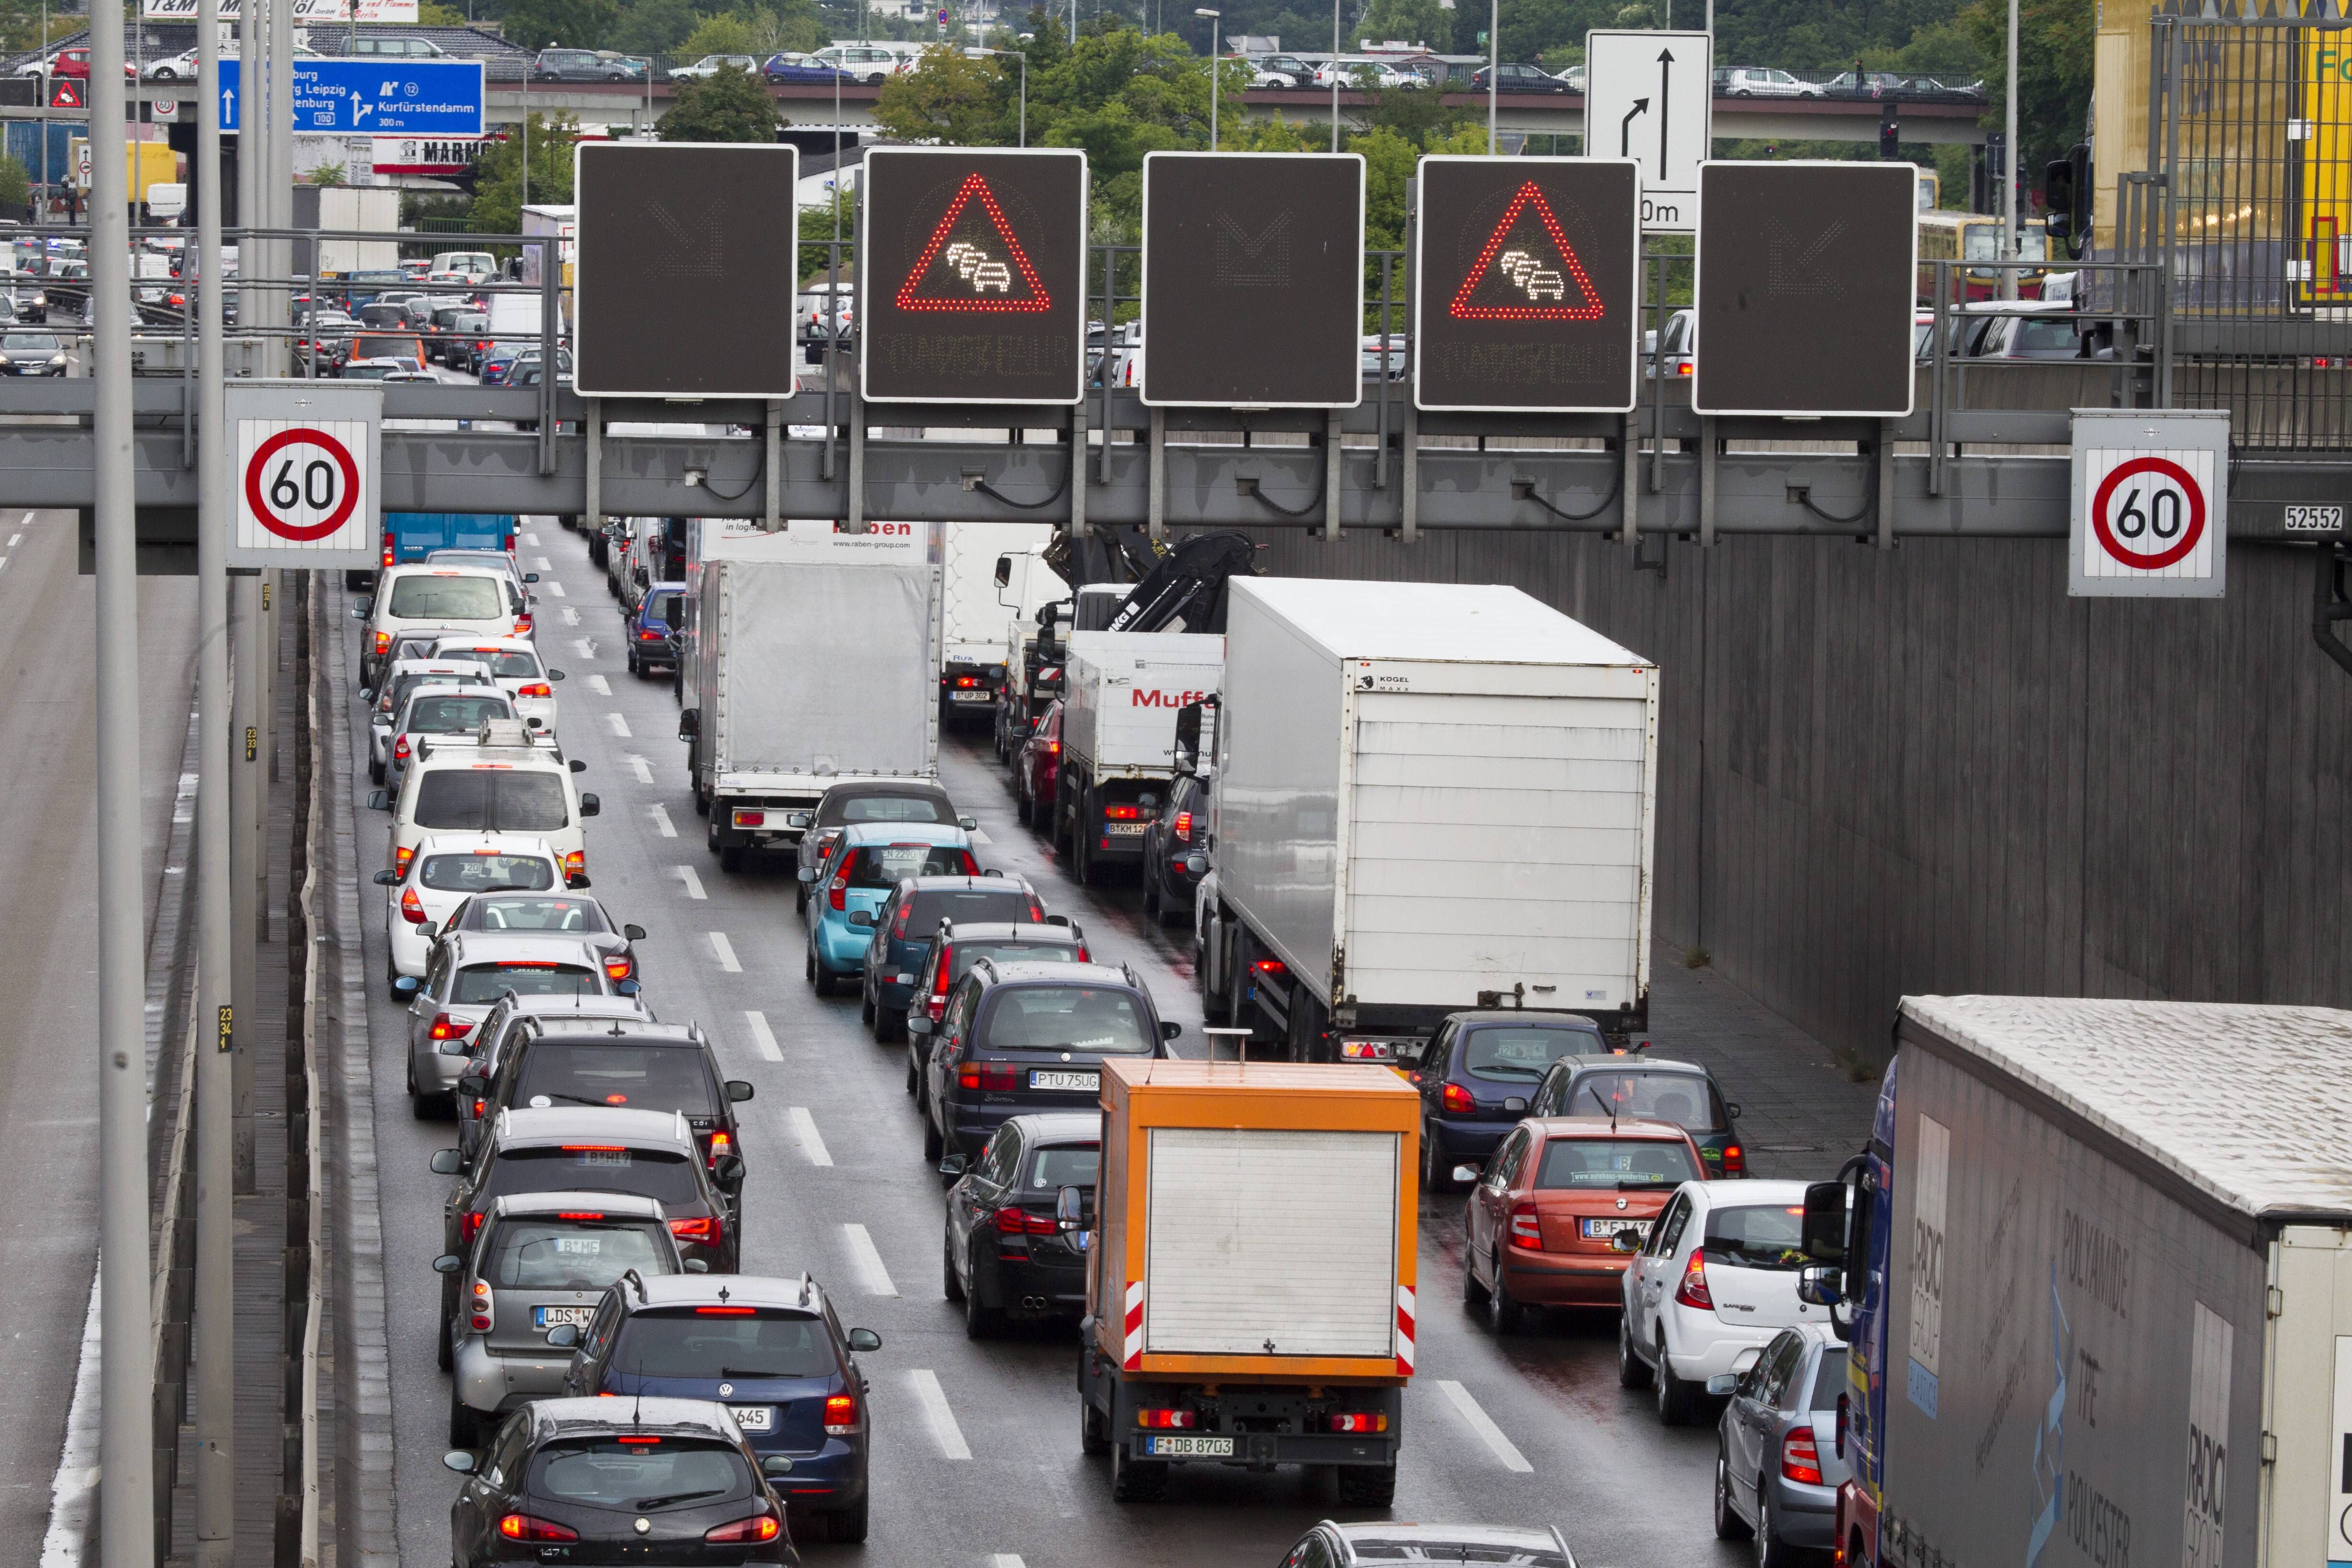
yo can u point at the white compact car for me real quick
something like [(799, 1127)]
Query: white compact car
[(1712, 1285), (446, 869), (515, 665)]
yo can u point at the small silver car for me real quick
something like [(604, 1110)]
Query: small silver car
[(517, 1016), (467, 974), (542, 1260), (1777, 1465), (1331, 1544)]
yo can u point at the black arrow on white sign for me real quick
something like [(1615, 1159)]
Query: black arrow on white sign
[(1666, 107), (1625, 127)]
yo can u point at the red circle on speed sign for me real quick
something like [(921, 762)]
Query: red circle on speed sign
[(2192, 497), (347, 494)]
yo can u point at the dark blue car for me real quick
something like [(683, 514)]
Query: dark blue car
[(907, 920), (654, 626), (1477, 1075), (770, 1349), (799, 70)]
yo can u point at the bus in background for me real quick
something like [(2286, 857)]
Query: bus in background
[(1976, 237)]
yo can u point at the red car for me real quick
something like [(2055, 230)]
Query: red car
[(1543, 1225), (1035, 768), (72, 63)]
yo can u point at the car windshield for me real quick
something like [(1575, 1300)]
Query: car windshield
[(1063, 1165), (662, 1175), (1829, 1377), (662, 608), (883, 808), (474, 873), (927, 909), (480, 985), (1570, 1162), (720, 1342), (1422, 1548), (1066, 1018), (640, 1474), (1757, 1236), (556, 914), (1681, 1097), (969, 954), (446, 596), (1513, 1054), (492, 800), (639, 1077), (886, 865), (453, 715), (28, 343), (573, 1255)]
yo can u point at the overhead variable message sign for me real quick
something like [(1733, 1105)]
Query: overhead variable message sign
[(971, 269), (1650, 96), (372, 97), (305, 475), (1254, 279), (2150, 504), (1805, 285), (679, 248), (1524, 274)]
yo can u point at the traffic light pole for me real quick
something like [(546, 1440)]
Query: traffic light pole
[(126, 1372)]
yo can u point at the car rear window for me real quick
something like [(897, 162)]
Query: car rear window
[(1608, 1163), (725, 1342), (662, 1175), (1829, 1377), (888, 865), (927, 910), (480, 873), (492, 800), (510, 663), (454, 715), (662, 608), (1421, 1549), (641, 1474), (638, 1076), (572, 1255), (536, 915), (1063, 1166), (882, 808), (450, 596), (2033, 334), (1757, 1236), (402, 346), (479, 985), (1683, 1099), (1516, 1053), (968, 954), (1065, 1018)]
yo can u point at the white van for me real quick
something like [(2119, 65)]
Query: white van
[(473, 599), (501, 780)]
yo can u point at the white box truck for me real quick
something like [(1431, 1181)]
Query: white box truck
[(811, 653), (974, 611), (1120, 693), (2095, 1264), (1428, 797)]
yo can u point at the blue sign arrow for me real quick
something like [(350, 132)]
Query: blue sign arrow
[(374, 98)]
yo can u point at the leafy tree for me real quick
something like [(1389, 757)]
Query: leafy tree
[(326, 174), (498, 179), (15, 184), (731, 105), (951, 97), (653, 27), (1413, 22), (565, 24), (2055, 40), (725, 33)]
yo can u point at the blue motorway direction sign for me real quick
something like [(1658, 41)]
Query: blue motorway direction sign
[(373, 97)]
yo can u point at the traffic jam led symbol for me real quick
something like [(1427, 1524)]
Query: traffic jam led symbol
[(1528, 270), (67, 96), (974, 264)]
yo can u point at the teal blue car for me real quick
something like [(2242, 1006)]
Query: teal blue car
[(859, 871)]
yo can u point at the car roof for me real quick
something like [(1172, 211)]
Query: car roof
[(881, 789), (735, 1289), (609, 1009), (488, 946), (513, 844), (967, 883), (1017, 972), (1748, 1192), (461, 750), (1053, 1126), (1012, 931), (1447, 1535), (628, 1206), (640, 1032), (1530, 1020), (1636, 1064), (1603, 1127), (531, 1127), (866, 833), (574, 1417)]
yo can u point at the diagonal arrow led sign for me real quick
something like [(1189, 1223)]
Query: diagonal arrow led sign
[(1657, 90), (372, 97)]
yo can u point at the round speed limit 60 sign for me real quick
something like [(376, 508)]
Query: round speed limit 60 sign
[(304, 486), (301, 484), (2148, 515)]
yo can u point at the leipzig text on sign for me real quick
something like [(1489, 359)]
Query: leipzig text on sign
[(373, 97), (1524, 284), (1806, 279), (2150, 504), (305, 473), (1254, 279), (1651, 97), (972, 269), (703, 232)]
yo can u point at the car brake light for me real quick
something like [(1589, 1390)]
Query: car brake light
[(938, 1004), (1053, 748), (535, 689), (837, 890), (1121, 812), (618, 967), (522, 626), (445, 1028), (898, 925), (1801, 1458), (840, 1415), (523, 1526), (750, 819), (1183, 825), (1457, 1099), (401, 857), (1527, 1229), (580, 1213), (720, 1144), (1735, 1161), (965, 682), (1693, 1290), (758, 1527), (507, 544), (704, 1230), (575, 864), (400, 747), (1163, 1419), (468, 1224), (387, 558), (1360, 1421), (1013, 1220), (988, 1076), (382, 640), (411, 910), (648, 635)]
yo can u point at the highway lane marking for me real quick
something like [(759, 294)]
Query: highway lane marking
[(556, 589), (693, 883), (532, 540), (660, 814), (570, 616), (934, 1402), (878, 1279), (1484, 1425), (979, 837), (74, 1487), (763, 1035), (584, 646), (1006, 1560), (541, 562), (25, 520), (726, 951), (620, 725), (12, 539), (811, 1141), (642, 768), (600, 686)]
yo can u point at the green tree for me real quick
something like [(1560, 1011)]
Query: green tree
[(497, 181), (565, 24), (725, 33), (326, 174), (1412, 22), (653, 27), (431, 14), (950, 98), (730, 106), (16, 187), (2055, 43)]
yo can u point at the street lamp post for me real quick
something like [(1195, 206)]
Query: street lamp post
[(1495, 76), (1214, 22), (1334, 75), (1023, 56)]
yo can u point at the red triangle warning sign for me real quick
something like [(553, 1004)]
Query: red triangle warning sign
[(1528, 270), (973, 264), (68, 96)]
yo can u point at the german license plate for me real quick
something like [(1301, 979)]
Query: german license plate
[(1192, 1448), (971, 696), (2314, 519), (557, 1317), (754, 1417), (1087, 1081), (1115, 829), (1603, 1230)]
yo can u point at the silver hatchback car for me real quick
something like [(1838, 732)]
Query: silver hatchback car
[(1776, 1461), (467, 973)]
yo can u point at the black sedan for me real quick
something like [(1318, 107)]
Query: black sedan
[(1170, 841), (32, 353), (1007, 1252)]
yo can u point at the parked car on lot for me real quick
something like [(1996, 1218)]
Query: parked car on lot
[(584, 64), (1779, 1456), (1006, 1254), (785, 66), (1515, 78)]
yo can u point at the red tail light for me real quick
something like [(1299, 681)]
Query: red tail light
[(758, 1527), (387, 559), (1801, 1458), (445, 1028), (1527, 1229), (401, 857), (1121, 812), (1053, 748), (898, 923), (575, 864), (938, 1004), (836, 891), (1183, 825), (1693, 1290), (1360, 1421), (469, 1225), (727, 1311), (998, 1078), (720, 1144), (535, 689), (649, 635), (619, 967), (1011, 1221), (704, 1231), (400, 747), (750, 819), (1735, 1160), (840, 1415), (1270, 966), (1163, 1419), (411, 910), (523, 1526), (522, 624), (1457, 1099), (383, 639), (965, 682), (507, 544)]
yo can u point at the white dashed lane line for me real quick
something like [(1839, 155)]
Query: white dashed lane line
[(540, 562), (1006, 1560), (660, 814), (12, 539), (620, 725), (763, 1036), (934, 1401), (1484, 1425), (693, 883), (726, 951), (979, 837), (555, 588), (638, 765), (532, 540), (811, 1141), (570, 616), (869, 1264), (600, 686), (584, 646)]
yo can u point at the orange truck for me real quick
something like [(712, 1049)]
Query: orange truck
[(1250, 1293)]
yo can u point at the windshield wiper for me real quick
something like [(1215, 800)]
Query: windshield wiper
[(654, 1502), (558, 1094)]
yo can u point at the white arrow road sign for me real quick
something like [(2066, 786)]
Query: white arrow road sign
[(1649, 96)]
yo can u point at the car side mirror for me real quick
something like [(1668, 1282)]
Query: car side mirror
[(379, 800), (727, 1170), (367, 694), (577, 767), (407, 985), (1069, 1208), (803, 820), (1721, 1383), (633, 932), (967, 823), (1004, 571), (1817, 1285), (807, 875), (447, 1162), (387, 878), (1465, 1174), (1823, 1231), (737, 1090), (1169, 1028), (1627, 1240), (447, 1263), (689, 723), (531, 576), (590, 805), (554, 674), (864, 1339), (1063, 920), (952, 1165), (916, 1024), (776, 1465), (1731, 1111), (473, 1083), (991, 873), (564, 1337), (459, 1461), (697, 1266), (861, 918)]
